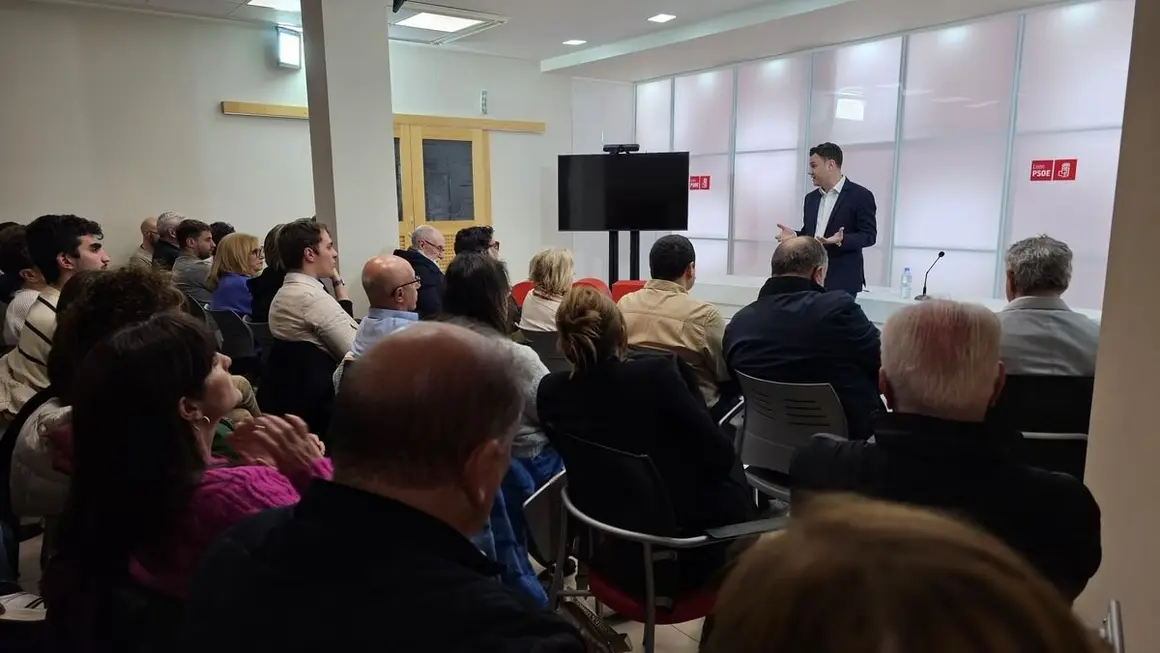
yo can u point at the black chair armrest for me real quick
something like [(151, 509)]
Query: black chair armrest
[(746, 529)]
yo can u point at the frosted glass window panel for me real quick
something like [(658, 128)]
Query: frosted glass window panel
[(712, 257), (703, 112), (873, 167), (771, 104), (752, 259), (766, 194), (654, 115), (855, 93), (962, 276), (950, 193), (1075, 66), (709, 209), (958, 79), (874, 266), (1077, 212)]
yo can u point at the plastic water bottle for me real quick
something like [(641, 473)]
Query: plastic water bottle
[(906, 283)]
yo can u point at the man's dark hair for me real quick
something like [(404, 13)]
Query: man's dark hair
[(829, 152), (49, 236), (473, 239), (476, 288), (220, 230), (14, 256), (798, 256), (190, 229), (670, 256), (295, 238)]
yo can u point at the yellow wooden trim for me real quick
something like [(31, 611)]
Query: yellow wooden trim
[(261, 110), (257, 109)]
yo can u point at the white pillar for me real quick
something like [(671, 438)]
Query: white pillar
[(348, 83), (1123, 461)]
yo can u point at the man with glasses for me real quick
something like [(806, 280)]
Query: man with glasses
[(426, 251), (482, 240), (393, 289)]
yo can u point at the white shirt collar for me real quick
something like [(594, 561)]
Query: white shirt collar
[(837, 189)]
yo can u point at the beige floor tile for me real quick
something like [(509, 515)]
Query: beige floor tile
[(669, 639), (691, 628)]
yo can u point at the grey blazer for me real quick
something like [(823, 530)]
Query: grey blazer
[(1042, 336)]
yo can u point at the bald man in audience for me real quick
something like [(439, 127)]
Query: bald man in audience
[(392, 288), (143, 255), (940, 373), (412, 481)]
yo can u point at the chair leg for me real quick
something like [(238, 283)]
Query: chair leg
[(558, 568), (650, 601)]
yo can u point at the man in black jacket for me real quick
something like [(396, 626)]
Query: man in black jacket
[(940, 372), (426, 249), (797, 332), (379, 559)]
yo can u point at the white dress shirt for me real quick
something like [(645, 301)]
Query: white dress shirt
[(826, 206)]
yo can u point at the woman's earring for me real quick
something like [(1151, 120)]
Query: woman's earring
[(205, 420)]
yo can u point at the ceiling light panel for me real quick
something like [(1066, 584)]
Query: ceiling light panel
[(575, 42), (662, 18), (281, 5), (439, 22)]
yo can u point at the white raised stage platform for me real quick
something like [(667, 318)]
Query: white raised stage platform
[(733, 293)]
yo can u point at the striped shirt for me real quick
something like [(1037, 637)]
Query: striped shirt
[(24, 371)]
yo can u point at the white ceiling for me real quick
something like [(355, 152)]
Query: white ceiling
[(623, 45)]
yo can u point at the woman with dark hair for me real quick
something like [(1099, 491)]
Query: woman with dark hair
[(147, 498), (264, 286), (476, 289)]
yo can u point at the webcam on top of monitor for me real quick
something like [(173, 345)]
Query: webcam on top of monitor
[(621, 148), (398, 5)]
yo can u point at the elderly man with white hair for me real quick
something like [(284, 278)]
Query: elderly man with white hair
[(167, 249), (1041, 335), (940, 373), (426, 251)]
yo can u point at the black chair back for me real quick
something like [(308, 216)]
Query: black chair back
[(545, 344), (8, 440), (299, 380), (237, 342), (194, 308), (781, 417), (1053, 414), (263, 339)]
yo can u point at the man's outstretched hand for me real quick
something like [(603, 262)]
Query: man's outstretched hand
[(786, 233), (836, 239)]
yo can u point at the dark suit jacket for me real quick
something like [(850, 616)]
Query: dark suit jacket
[(392, 574), (643, 407), (430, 283), (796, 332), (967, 470), (856, 212)]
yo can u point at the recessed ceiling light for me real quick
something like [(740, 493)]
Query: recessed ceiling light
[(439, 22), (574, 42), (280, 5), (662, 18)]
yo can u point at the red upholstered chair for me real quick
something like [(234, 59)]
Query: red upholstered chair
[(658, 576), (520, 291), (624, 287), (593, 282)]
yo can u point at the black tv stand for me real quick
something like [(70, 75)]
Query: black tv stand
[(614, 256)]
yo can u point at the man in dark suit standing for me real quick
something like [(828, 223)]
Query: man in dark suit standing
[(841, 215)]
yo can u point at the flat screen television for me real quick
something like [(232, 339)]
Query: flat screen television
[(624, 192)]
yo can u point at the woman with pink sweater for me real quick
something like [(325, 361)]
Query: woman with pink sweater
[(147, 499)]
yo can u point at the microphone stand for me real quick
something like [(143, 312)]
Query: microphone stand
[(923, 297)]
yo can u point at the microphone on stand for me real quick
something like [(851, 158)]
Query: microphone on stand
[(924, 296)]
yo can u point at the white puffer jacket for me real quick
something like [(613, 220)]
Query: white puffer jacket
[(38, 490)]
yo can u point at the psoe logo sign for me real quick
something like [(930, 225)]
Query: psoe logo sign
[(1043, 170)]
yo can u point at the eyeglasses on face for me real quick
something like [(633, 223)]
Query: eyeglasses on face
[(438, 248), (416, 282)]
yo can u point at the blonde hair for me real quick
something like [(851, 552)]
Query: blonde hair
[(856, 576), (591, 328), (551, 271), (941, 357), (232, 255)]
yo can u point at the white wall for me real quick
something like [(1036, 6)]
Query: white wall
[(115, 116)]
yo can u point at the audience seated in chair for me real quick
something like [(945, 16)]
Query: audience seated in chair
[(940, 372), (302, 310), (265, 286), (481, 240), (16, 264), (392, 288), (412, 481), (168, 247), (797, 332), (1041, 335), (641, 407), (60, 246), (147, 499), (663, 315), (218, 231), (143, 255), (477, 290), (855, 576), (426, 250), (191, 268), (551, 275), (237, 259)]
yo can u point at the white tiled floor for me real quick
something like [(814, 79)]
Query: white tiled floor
[(678, 638)]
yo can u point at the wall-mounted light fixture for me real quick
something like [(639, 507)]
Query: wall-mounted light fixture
[(289, 47)]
